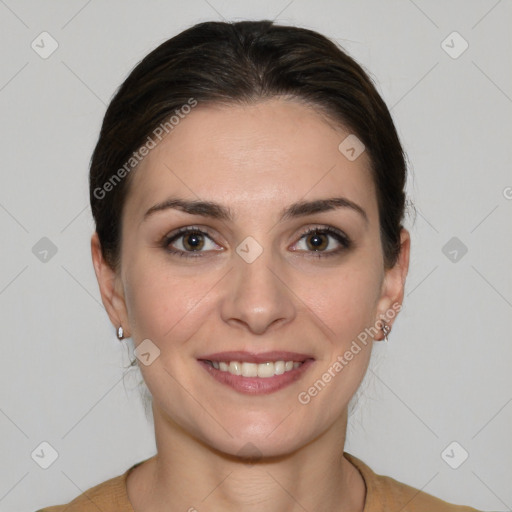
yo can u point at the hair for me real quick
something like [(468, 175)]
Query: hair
[(242, 63)]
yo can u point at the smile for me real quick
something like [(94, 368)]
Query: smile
[(251, 373), (263, 370)]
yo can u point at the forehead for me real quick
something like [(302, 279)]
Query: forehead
[(263, 155)]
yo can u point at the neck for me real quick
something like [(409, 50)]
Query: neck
[(187, 475)]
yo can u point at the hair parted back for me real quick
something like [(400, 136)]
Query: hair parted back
[(241, 63)]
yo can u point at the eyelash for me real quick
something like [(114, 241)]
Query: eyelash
[(340, 237)]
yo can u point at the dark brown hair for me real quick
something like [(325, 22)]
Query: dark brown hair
[(243, 62)]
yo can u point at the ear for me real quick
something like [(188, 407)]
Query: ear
[(393, 284), (110, 286)]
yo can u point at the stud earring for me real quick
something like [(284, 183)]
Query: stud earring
[(120, 332), (386, 329)]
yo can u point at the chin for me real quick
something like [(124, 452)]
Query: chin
[(255, 448), (256, 440)]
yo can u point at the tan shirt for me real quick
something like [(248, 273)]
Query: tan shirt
[(383, 494)]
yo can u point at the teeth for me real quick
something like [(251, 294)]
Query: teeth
[(279, 367), (235, 368), (263, 370), (266, 370), (250, 369)]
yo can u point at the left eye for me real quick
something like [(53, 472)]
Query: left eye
[(323, 240)]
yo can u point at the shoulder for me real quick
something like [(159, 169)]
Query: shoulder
[(386, 493), (103, 496), (108, 496)]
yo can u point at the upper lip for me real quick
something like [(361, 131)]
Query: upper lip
[(251, 357)]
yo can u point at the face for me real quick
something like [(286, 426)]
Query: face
[(268, 271)]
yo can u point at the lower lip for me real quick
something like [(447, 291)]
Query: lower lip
[(257, 385)]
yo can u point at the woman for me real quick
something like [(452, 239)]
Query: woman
[(248, 193)]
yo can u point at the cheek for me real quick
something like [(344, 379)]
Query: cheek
[(164, 305), (345, 301)]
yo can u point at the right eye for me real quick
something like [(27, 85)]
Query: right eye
[(187, 241)]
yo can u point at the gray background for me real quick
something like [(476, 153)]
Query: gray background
[(445, 374)]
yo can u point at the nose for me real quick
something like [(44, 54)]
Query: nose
[(257, 296)]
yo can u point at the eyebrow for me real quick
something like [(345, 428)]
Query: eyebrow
[(220, 212)]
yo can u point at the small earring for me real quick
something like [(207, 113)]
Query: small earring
[(120, 332), (386, 329)]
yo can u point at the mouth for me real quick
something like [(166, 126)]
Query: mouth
[(256, 373), (262, 370)]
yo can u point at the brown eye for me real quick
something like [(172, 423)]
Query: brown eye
[(322, 242), (193, 241), (190, 241), (317, 241)]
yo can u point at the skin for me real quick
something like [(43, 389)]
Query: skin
[(256, 160)]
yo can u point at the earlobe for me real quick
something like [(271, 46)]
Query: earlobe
[(107, 278)]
